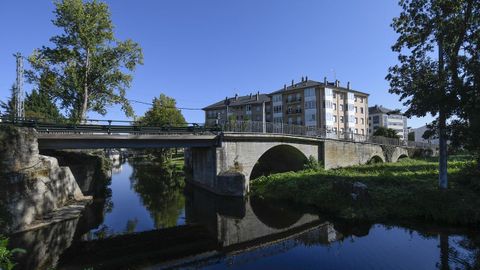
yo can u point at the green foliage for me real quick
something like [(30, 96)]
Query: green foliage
[(403, 191), (86, 69), (39, 105), (386, 132), (163, 112), (6, 255), (8, 108), (438, 50), (160, 187), (313, 164)]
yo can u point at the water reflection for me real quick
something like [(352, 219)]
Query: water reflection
[(151, 221)]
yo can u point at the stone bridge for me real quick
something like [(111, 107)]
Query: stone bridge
[(228, 167), (224, 163)]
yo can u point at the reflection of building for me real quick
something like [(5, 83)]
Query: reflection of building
[(241, 108), (380, 116)]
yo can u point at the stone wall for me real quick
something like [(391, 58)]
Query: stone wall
[(31, 185), (343, 154)]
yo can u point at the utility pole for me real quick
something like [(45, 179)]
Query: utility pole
[(19, 93)]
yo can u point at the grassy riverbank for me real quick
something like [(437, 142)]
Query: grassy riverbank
[(403, 191)]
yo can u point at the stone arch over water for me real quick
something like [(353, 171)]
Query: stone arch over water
[(280, 158)]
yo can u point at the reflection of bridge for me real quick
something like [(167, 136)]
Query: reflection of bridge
[(223, 161), (220, 228)]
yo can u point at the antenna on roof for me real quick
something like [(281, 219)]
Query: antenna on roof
[(334, 74)]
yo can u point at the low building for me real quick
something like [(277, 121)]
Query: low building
[(380, 116), (419, 136), (321, 105), (253, 107)]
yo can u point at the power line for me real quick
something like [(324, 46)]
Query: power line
[(171, 107)]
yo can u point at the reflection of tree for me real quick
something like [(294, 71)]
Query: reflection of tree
[(160, 187), (462, 252)]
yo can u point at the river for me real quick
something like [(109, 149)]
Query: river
[(151, 220)]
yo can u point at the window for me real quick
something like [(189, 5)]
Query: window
[(335, 119), (277, 98), (310, 92), (290, 120), (334, 106), (277, 109), (248, 108), (340, 95), (341, 130), (310, 105), (363, 131), (356, 109), (361, 110), (258, 108), (361, 99), (335, 130), (312, 117), (299, 97), (355, 98), (334, 95), (341, 119), (356, 120), (356, 131), (341, 107), (299, 120), (362, 121), (376, 119)]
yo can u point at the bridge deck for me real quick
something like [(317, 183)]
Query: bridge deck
[(93, 141)]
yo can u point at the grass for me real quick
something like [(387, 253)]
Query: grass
[(404, 191)]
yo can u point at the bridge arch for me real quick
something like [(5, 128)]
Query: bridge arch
[(279, 158), (376, 159), (399, 153)]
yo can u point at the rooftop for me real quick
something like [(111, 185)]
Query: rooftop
[(310, 83), (380, 109), (239, 101)]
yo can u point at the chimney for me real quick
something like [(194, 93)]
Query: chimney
[(292, 83), (250, 95), (337, 83), (236, 96), (303, 79), (348, 85), (285, 87), (325, 81), (258, 95), (306, 78)]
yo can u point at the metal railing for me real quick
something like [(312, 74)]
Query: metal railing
[(305, 131), (95, 126)]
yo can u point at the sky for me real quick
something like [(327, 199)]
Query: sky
[(199, 52)]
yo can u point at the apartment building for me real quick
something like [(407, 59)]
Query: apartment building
[(380, 116), (254, 107), (318, 105)]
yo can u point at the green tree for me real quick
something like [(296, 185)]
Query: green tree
[(431, 35), (87, 69), (164, 111), (38, 105), (9, 106), (386, 132)]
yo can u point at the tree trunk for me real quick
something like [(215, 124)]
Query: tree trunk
[(442, 120), (83, 113), (442, 176), (444, 252)]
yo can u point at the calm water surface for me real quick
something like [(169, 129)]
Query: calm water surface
[(150, 220)]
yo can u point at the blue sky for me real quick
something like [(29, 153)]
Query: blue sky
[(200, 51)]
